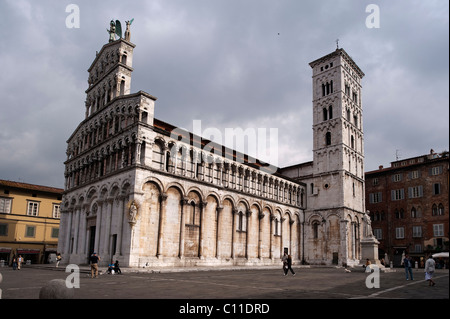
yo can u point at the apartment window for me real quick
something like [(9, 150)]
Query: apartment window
[(436, 170), (56, 211), (414, 175), (438, 230), (416, 213), (436, 188), (3, 229), (5, 205), (375, 198), (396, 177), (415, 191), (400, 232), (30, 231), (437, 210), (399, 214), (417, 231), (397, 194), (375, 181), (441, 210), (55, 232), (378, 233), (33, 208)]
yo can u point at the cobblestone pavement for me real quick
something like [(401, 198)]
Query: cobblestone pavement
[(252, 285)]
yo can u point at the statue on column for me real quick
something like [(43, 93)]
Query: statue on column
[(127, 31)]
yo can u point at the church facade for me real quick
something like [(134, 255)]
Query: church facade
[(148, 194)]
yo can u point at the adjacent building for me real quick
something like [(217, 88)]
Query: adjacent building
[(146, 193), (409, 206), (29, 221)]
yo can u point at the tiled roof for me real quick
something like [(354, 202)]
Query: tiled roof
[(32, 187)]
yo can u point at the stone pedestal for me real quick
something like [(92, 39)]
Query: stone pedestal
[(369, 250)]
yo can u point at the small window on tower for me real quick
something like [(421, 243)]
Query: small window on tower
[(328, 138)]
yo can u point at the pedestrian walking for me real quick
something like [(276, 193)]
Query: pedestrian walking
[(19, 262), (14, 263), (407, 262), (94, 259), (287, 264), (429, 270), (58, 259)]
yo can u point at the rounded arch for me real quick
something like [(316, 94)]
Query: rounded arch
[(230, 199), (244, 202), (215, 196), (257, 205), (197, 190), (114, 189), (153, 180), (176, 185)]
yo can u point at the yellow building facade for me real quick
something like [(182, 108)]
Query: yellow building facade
[(29, 221)]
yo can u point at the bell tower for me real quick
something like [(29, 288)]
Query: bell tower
[(338, 143), (337, 183)]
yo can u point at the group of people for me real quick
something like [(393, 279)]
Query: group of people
[(17, 262), (112, 268), (430, 266)]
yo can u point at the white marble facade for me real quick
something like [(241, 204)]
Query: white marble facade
[(136, 193)]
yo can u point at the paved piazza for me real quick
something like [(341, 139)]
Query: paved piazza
[(256, 284)]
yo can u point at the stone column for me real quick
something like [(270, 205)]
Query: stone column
[(291, 222), (201, 230), (260, 217), (247, 230), (120, 222), (82, 231), (281, 235), (162, 213), (183, 203), (218, 211), (76, 229), (106, 228), (234, 213), (98, 225), (272, 218), (344, 243), (67, 231)]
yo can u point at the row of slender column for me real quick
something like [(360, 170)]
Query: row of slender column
[(235, 212)]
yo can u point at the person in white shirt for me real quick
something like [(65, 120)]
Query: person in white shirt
[(429, 270)]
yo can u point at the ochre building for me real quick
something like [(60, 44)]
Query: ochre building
[(29, 221)]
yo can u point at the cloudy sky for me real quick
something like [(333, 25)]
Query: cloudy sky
[(229, 64)]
